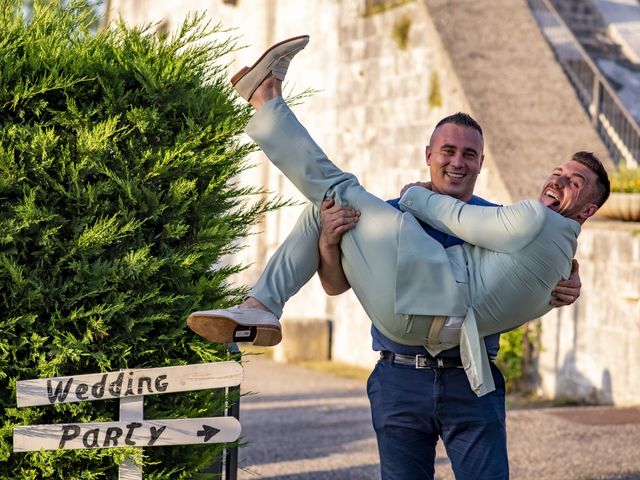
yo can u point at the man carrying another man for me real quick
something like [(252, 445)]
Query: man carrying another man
[(416, 398), (455, 152)]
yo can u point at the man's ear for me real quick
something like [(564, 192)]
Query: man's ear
[(588, 211), (481, 162), (427, 154)]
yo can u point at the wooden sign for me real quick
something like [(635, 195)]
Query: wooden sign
[(130, 386), (143, 433), (128, 383)]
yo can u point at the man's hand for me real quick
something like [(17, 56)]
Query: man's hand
[(426, 185), (567, 291), (336, 220)]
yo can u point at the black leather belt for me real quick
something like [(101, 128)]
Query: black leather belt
[(421, 361)]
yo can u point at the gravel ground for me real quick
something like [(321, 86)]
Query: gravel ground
[(302, 424)]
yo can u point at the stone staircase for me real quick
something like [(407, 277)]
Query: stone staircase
[(620, 66), (516, 89)]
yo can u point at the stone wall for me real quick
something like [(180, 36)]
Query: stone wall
[(590, 350)]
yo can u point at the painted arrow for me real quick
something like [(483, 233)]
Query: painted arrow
[(207, 432)]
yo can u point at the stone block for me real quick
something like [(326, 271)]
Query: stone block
[(304, 340)]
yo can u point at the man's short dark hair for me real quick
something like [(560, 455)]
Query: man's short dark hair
[(461, 119), (591, 161)]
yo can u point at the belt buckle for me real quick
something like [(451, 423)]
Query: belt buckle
[(421, 361), (440, 362)]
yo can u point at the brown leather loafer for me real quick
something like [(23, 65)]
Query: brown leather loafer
[(275, 60)]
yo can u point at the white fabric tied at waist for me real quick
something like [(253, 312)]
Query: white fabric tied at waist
[(450, 332), (475, 359), (446, 332)]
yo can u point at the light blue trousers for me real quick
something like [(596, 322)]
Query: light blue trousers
[(369, 250)]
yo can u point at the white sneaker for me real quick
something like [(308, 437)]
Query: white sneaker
[(235, 324)]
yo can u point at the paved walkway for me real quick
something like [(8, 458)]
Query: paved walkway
[(302, 424)]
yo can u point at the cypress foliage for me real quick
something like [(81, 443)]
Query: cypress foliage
[(118, 152)]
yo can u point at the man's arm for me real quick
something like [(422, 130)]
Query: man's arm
[(502, 229), (567, 291), (336, 220)]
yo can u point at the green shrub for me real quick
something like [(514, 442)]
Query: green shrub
[(626, 180), (118, 153), (517, 351)]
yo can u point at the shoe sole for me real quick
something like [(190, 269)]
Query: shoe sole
[(245, 70), (219, 329), (238, 76)]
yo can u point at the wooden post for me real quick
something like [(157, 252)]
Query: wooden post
[(131, 409), (233, 410), (231, 460)]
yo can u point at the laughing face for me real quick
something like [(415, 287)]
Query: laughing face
[(455, 157), (570, 191)]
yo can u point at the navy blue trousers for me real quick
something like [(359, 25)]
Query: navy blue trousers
[(411, 408)]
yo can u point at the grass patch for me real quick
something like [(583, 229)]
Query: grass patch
[(338, 369), (520, 401), (248, 349)]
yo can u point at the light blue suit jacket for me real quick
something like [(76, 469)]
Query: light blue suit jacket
[(501, 278)]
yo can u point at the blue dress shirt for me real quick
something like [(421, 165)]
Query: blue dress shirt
[(380, 342)]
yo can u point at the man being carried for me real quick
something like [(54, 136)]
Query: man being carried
[(423, 294)]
